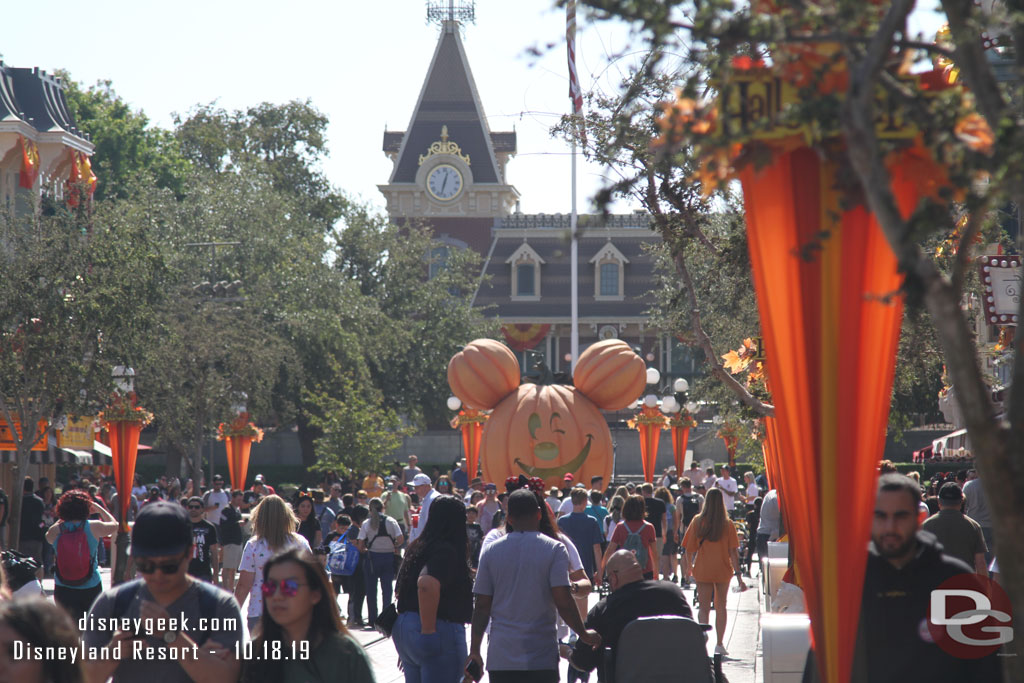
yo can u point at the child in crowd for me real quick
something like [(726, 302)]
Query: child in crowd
[(475, 533)]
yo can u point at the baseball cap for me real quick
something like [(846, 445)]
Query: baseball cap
[(951, 492), (490, 486), (218, 477), (161, 529), (259, 478), (421, 480), (568, 477)]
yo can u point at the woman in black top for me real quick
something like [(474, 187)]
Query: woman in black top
[(308, 524), (435, 597)]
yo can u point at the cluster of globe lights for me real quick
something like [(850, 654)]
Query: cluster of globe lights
[(669, 404)]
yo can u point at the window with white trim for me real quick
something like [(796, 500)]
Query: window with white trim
[(525, 263), (609, 273)]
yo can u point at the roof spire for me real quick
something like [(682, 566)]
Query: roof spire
[(451, 12)]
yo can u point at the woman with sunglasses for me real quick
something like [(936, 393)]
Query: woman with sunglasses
[(80, 584), (273, 531), (301, 617), (444, 485), (435, 597)]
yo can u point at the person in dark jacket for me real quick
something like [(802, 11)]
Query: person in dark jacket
[(632, 597), (894, 644)]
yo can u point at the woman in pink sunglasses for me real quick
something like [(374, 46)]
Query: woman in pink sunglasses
[(300, 637)]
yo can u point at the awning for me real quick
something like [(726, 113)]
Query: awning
[(101, 454), (78, 457)]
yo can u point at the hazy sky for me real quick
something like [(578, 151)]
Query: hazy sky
[(361, 63)]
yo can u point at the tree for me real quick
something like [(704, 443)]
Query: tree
[(131, 155), (68, 314), (972, 133)]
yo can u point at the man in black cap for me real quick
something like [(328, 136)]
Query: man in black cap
[(187, 630), (959, 535)]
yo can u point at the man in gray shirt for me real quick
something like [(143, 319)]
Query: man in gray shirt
[(522, 580), (189, 629), (976, 507)]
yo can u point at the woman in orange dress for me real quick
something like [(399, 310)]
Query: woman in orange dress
[(711, 546)]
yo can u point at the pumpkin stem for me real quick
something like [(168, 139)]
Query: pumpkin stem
[(538, 371)]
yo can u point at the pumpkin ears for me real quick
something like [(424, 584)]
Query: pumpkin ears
[(609, 373)]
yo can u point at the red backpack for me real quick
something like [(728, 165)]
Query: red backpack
[(74, 559)]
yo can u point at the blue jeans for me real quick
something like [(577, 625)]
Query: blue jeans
[(379, 567), (435, 658)]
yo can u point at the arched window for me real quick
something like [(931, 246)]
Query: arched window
[(525, 263), (609, 278)]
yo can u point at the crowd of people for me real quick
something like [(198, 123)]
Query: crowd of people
[(442, 552)]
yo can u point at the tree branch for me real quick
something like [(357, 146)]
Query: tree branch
[(963, 250), (717, 369)]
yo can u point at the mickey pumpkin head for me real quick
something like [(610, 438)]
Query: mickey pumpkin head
[(546, 430)]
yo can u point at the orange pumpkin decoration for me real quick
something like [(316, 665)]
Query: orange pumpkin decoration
[(610, 374), (546, 431), (483, 373)]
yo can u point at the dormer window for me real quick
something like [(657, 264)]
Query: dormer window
[(609, 277), (525, 263)]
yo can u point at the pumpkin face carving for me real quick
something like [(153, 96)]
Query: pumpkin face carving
[(545, 430)]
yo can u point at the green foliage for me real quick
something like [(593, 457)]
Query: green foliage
[(359, 430), (284, 142), (74, 301), (131, 155)]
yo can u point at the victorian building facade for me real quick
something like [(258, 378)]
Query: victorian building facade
[(450, 173)]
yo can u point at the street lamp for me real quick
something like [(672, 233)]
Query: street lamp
[(454, 403), (124, 379), (681, 386)]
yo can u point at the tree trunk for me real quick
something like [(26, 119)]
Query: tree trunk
[(172, 464), (307, 436), (17, 495), (120, 558)]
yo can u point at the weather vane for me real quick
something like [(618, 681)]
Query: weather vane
[(459, 11)]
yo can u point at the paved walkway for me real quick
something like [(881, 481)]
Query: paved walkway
[(742, 638)]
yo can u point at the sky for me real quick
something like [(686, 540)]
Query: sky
[(362, 64)]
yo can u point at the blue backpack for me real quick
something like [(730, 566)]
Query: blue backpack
[(342, 558)]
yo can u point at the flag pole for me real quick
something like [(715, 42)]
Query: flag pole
[(576, 96)]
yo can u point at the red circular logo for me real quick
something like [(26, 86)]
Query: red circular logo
[(969, 616)]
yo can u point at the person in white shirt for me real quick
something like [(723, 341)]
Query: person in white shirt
[(426, 493), (729, 488), (215, 501), (709, 479), (752, 491)]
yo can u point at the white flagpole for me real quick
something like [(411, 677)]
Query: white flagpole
[(577, 100), (574, 338)]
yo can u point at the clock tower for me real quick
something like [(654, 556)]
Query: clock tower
[(449, 168)]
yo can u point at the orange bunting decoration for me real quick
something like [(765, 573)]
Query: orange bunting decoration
[(649, 422), (238, 436), (29, 163)]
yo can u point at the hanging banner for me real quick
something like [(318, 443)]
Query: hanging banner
[(78, 434), (521, 337)]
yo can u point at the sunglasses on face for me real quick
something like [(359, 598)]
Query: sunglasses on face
[(289, 587), (148, 566), (195, 507)]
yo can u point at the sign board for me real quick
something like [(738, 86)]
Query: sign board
[(687, 461), (759, 348), (7, 438), (78, 434), (707, 463), (754, 103), (1001, 276)]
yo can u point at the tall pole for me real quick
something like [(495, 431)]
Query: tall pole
[(576, 96)]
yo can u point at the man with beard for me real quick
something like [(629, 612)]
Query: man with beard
[(904, 566)]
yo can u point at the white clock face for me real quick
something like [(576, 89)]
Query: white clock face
[(444, 182)]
